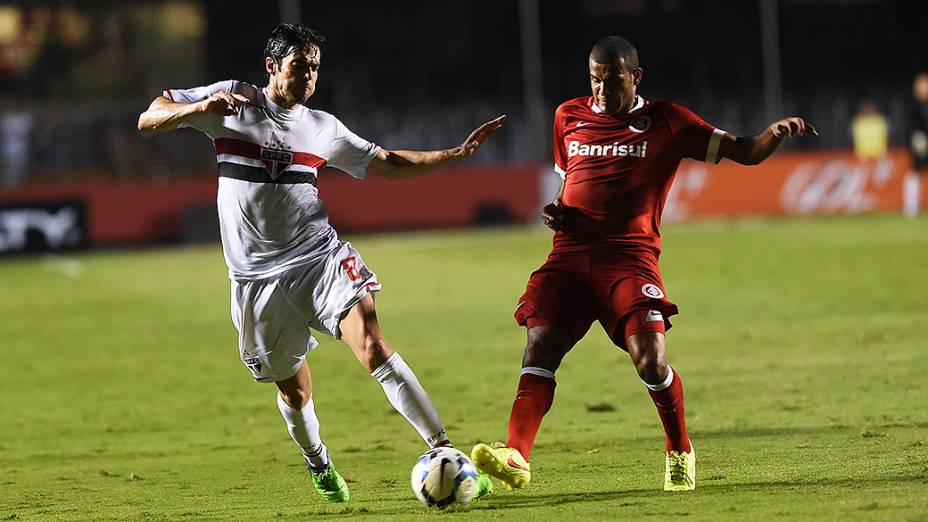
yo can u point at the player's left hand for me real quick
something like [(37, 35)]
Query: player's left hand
[(792, 126), (480, 135), (553, 216)]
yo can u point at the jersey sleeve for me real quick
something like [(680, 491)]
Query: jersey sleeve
[(693, 137), (351, 153), (560, 154), (196, 94)]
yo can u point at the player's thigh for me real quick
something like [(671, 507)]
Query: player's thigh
[(360, 322), (559, 300), (297, 389), (273, 336), (634, 302), (360, 330)]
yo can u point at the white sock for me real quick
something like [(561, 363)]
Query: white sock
[(538, 372), (409, 398), (662, 385), (304, 428)]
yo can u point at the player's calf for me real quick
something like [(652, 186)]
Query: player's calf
[(409, 398)]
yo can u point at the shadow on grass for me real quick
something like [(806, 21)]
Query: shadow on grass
[(738, 432), (630, 497), (622, 498)]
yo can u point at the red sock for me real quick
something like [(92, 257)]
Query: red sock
[(669, 402), (533, 400)]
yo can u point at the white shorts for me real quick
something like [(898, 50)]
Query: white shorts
[(273, 316)]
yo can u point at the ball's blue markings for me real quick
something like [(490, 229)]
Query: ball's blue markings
[(424, 495), (447, 501), (453, 478)]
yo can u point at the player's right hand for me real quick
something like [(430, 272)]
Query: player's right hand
[(553, 216), (793, 126), (480, 135), (224, 103)]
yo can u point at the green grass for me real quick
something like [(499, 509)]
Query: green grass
[(801, 345)]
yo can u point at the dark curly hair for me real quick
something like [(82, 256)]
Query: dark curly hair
[(286, 37)]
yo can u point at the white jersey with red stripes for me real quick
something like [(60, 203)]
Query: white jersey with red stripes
[(271, 217)]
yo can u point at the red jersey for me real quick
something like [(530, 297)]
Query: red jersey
[(618, 169)]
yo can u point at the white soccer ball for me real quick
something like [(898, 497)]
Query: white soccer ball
[(444, 476)]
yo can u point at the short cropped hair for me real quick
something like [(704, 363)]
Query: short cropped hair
[(611, 48), (287, 37)]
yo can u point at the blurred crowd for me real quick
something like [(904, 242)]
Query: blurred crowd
[(74, 76), (870, 132)]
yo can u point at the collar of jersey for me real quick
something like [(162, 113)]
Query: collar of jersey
[(287, 114), (639, 103)]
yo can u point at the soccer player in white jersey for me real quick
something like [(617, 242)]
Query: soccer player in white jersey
[(289, 270)]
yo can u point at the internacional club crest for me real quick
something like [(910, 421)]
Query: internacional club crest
[(639, 124), (651, 290)]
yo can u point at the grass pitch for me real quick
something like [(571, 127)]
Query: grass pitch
[(801, 345)]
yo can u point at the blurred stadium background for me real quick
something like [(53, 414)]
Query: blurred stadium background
[(74, 76)]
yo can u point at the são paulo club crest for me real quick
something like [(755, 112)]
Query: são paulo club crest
[(652, 291), (277, 156), (639, 124)]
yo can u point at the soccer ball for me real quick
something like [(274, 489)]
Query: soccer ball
[(444, 476)]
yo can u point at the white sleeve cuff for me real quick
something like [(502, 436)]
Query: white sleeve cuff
[(712, 151), (361, 172), (560, 172)]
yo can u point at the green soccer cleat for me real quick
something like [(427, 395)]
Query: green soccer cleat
[(484, 486), (680, 471), (506, 464), (330, 484)]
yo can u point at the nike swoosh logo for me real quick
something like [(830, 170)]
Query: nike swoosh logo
[(513, 464), (583, 123)]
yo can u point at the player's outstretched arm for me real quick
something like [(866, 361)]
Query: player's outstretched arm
[(165, 115), (394, 164), (751, 150)]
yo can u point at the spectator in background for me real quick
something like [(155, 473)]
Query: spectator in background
[(15, 129), (870, 132), (918, 146)]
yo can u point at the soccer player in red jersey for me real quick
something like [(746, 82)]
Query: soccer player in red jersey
[(617, 154)]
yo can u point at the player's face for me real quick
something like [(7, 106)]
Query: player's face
[(295, 79), (920, 88), (614, 85)]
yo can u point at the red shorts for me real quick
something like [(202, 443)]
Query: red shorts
[(623, 291)]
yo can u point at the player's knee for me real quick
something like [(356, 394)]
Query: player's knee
[(376, 352), (543, 353), (647, 353), (651, 366), (297, 398)]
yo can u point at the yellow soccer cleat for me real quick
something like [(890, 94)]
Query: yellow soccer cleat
[(680, 471), (506, 464)]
